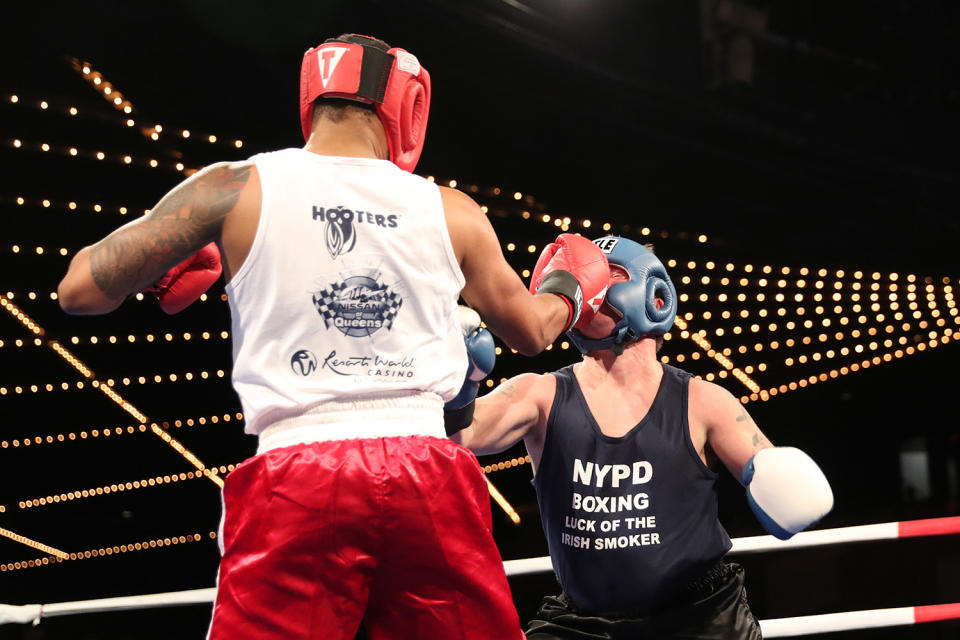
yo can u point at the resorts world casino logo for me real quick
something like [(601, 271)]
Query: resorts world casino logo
[(303, 362), (340, 226), (358, 306)]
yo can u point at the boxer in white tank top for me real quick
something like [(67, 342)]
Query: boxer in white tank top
[(343, 274)]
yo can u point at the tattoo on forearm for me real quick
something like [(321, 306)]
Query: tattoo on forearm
[(507, 388), (759, 440), (743, 416), (185, 219)]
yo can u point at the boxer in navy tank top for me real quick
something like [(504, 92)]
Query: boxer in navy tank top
[(622, 447)]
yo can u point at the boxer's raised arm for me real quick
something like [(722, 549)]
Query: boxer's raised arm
[(509, 413), (137, 254), (786, 489), (525, 322)]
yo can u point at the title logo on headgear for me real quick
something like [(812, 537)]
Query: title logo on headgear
[(607, 243), (358, 306), (356, 67), (327, 62)]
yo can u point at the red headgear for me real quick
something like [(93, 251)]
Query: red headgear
[(393, 81)]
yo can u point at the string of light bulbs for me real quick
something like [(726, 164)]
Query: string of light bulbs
[(145, 545), (807, 323), (119, 102), (131, 338), (795, 306), (118, 487), (822, 308), (724, 361), (96, 432), (932, 341), (139, 297), (854, 367), (41, 104), (125, 159), (857, 349), (853, 327), (110, 93), (769, 270), (72, 206), (108, 391), (20, 342), (152, 131), (104, 385), (506, 464), (29, 542), (825, 318), (562, 223), (765, 394), (116, 98), (895, 289), (167, 337), (818, 285)]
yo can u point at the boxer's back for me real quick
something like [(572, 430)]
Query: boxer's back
[(349, 289)]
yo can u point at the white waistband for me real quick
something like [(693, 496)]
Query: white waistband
[(381, 417)]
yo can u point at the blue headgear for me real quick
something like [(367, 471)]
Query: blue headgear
[(636, 299)]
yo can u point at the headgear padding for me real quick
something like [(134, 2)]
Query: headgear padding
[(636, 299), (393, 81)]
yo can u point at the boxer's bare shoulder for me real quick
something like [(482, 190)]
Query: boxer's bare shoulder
[(516, 410)]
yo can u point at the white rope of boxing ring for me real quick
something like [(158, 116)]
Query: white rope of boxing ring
[(772, 628)]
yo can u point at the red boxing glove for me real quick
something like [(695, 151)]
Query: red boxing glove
[(184, 283), (575, 269)]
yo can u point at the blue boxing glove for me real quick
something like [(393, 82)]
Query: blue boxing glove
[(481, 356), (786, 490)]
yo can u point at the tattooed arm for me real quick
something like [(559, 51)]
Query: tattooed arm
[(508, 414), (137, 254), (730, 431), (785, 488)]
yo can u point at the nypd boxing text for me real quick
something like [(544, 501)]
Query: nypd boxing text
[(628, 530)]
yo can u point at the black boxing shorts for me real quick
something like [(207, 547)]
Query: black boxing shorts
[(717, 609)]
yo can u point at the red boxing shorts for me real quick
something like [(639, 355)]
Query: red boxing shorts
[(392, 531)]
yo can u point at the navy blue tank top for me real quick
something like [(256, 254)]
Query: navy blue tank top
[(629, 520)]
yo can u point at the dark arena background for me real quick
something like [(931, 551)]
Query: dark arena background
[(793, 162)]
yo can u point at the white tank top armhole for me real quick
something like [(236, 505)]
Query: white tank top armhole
[(447, 242), (261, 232)]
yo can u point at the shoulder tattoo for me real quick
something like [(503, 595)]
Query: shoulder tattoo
[(183, 221)]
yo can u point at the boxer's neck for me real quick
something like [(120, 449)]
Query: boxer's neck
[(637, 364), (352, 137)]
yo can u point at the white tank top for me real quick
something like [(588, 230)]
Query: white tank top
[(346, 304)]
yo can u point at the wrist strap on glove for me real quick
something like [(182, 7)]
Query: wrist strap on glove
[(566, 286), (458, 419)]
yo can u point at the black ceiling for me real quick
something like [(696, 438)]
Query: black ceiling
[(830, 123)]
